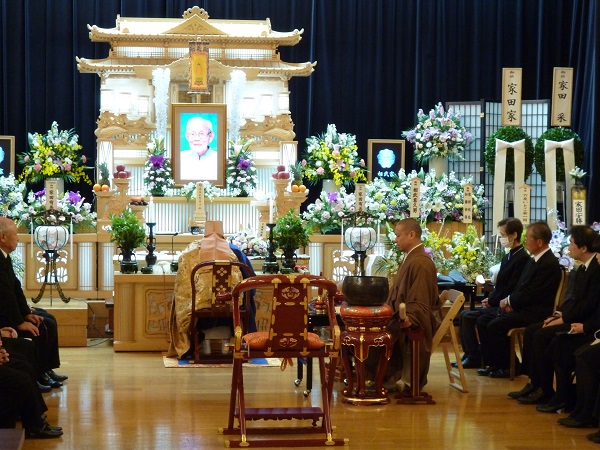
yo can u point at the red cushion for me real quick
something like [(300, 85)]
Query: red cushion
[(366, 311), (258, 340)]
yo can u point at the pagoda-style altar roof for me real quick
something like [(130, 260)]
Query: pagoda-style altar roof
[(140, 43)]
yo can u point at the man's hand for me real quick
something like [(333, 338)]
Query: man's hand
[(8, 332), (28, 326), (576, 328), (406, 323), (3, 356), (505, 306), (553, 320), (34, 319), (485, 303)]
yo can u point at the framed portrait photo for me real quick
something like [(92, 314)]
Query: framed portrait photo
[(385, 158), (199, 142), (7, 155)]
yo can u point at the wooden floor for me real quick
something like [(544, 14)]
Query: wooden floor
[(131, 401)]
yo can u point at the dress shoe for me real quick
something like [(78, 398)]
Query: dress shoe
[(594, 437), (45, 379), (528, 389), (535, 398), (43, 432), (570, 422), (56, 377), (52, 427), (44, 388), (485, 371), (469, 363), (551, 407), (500, 373)]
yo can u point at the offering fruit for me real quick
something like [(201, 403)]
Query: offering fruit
[(283, 175), (105, 188), (295, 188), (301, 188), (120, 167), (281, 168), (122, 174), (97, 187)]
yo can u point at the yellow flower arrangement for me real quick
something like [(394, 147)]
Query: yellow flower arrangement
[(53, 155), (333, 156), (470, 255)]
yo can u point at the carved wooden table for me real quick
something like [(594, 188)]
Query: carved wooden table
[(365, 327)]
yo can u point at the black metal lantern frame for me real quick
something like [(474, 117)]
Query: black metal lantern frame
[(51, 237), (361, 238)]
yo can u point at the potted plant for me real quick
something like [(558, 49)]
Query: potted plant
[(128, 233), (289, 234)]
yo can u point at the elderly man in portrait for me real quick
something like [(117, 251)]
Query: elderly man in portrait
[(200, 162)]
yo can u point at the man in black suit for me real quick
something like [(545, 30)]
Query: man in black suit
[(578, 315), (20, 398), (511, 268), (16, 313), (531, 301)]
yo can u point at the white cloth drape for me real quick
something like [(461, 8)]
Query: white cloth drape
[(500, 178), (550, 166)]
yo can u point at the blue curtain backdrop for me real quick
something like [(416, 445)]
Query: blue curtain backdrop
[(378, 62)]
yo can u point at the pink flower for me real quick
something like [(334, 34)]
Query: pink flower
[(320, 171), (67, 167), (83, 159), (304, 162), (26, 158), (37, 167), (335, 153), (362, 163), (353, 174)]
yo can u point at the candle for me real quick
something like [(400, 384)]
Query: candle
[(402, 312), (150, 215), (270, 210)]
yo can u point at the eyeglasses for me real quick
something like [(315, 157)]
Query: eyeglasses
[(200, 134)]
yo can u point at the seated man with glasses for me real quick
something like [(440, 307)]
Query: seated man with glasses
[(200, 162)]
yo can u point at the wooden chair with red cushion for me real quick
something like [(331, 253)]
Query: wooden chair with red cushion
[(287, 338), (222, 283)]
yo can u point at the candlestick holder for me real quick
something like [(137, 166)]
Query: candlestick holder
[(270, 265), (151, 257)]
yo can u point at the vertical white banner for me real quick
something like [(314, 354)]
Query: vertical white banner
[(360, 194), (512, 91), (523, 195), (562, 96), (468, 203), (51, 194), (415, 197)]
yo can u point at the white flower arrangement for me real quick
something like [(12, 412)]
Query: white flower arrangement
[(241, 172), (438, 134), (247, 241), (12, 204), (72, 206), (577, 173), (158, 176), (210, 190), (441, 198)]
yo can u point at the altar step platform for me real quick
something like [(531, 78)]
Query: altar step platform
[(72, 319)]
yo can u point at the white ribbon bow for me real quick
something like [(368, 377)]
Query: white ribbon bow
[(550, 165), (500, 177)]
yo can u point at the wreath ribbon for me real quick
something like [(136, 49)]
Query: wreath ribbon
[(500, 177), (550, 147)]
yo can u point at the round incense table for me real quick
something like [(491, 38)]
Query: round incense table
[(365, 327)]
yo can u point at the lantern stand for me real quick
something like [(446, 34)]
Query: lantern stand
[(270, 265), (51, 237), (360, 238)]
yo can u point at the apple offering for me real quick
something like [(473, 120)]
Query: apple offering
[(281, 173), (121, 172)]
